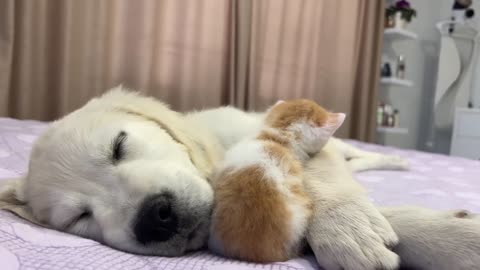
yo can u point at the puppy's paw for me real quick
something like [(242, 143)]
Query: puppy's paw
[(377, 161), (353, 236), (382, 227), (352, 257), (395, 162), (389, 260)]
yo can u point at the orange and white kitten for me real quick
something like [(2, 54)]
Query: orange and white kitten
[(261, 209)]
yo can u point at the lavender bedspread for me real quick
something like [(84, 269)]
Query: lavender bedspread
[(434, 181)]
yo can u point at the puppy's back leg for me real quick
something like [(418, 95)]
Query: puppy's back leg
[(361, 160), (377, 162), (436, 240)]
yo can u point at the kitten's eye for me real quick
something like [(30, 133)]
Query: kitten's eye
[(118, 151)]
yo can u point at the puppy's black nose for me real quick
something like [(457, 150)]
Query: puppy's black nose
[(156, 220)]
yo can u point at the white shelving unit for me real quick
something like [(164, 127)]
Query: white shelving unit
[(391, 35), (394, 130), (398, 33), (396, 81)]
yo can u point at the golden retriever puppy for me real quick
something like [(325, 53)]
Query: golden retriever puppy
[(131, 173)]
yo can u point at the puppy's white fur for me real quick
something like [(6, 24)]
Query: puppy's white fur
[(440, 240)]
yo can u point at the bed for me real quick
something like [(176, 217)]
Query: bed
[(434, 181)]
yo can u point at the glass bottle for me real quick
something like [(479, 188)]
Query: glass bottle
[(400, 67)]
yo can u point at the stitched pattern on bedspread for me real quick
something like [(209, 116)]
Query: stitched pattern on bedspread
[(23, 246), (435, 181)]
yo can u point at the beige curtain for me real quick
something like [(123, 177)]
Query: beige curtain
[(324, 50), (57, 54)]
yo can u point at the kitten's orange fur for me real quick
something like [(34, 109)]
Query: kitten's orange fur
[(261, 209)]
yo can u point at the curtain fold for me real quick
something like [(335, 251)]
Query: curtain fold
[(57, 54), (6, 53), (368, 59), (239, 53), (327, 51)]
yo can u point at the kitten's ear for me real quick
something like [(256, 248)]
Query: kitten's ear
[(13, 200), (272, 106), (335, 120)]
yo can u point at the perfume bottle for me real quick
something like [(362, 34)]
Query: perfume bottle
[(380, 114), (396, 118), (390, 120), (400, 73), (387, 113)]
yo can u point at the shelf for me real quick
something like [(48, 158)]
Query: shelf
[(396, 81), (396, 130), (398, 33)]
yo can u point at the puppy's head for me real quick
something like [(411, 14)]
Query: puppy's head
[(124, 170)]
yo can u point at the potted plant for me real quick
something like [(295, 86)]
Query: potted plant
[(399, 14)]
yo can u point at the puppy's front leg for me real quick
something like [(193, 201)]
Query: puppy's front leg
[(346, 230)]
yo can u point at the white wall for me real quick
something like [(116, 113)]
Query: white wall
[(415, 104)]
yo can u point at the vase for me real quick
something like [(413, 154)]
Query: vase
[(399, 21), (389, 21)]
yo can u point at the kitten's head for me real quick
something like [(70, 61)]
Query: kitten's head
[(310, 123)]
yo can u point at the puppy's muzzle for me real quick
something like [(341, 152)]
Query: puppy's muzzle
[(156, 220)]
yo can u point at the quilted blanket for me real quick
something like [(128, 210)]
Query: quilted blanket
[(435, 181)]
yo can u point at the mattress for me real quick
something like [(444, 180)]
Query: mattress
[(435, 181)]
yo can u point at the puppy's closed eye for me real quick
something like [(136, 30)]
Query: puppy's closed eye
[(84, 215), (118, 151)]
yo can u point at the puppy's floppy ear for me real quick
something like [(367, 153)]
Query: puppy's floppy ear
[(13, 200)]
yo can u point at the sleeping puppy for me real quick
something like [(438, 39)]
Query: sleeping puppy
[(129, 172), (124, 170)]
